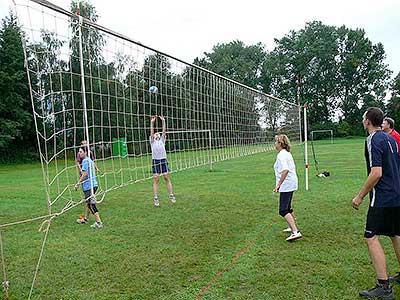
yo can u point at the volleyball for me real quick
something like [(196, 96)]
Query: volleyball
[(153, 89)]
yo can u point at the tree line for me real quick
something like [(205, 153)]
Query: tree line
[(336, 71)]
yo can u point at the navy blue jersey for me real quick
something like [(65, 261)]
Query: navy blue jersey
[(381, 150)]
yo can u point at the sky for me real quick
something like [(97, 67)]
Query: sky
[(186, 29)]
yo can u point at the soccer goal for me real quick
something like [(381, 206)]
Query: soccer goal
[(322, 134), (90, 83)]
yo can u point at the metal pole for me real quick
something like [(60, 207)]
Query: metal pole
[(5, 282), (305, 145), (84, 97), (298, 103), (209, 151)]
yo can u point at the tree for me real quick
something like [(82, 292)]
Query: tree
[(302, 69), (362, 75), (241, 63), (236, 61), (16, 122), (393, 106), (335, 70)]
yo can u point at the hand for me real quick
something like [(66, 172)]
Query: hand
[(162, 118), (153, 119), (76, 186), (356, 202), (276, 189)]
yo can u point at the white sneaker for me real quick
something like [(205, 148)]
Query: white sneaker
[(156, 203), (96, 225), (287, 229), (294, 236), (172, 198)]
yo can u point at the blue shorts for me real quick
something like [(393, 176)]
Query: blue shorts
[(160, 166)]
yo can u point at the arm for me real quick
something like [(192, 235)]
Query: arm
[(96, 167), (81, 179), (284, 174), (164, 127), (79, 167), (152, 120), (372, 180), (93, 157)]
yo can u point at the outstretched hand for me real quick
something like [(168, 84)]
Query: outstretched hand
[(162, 118)]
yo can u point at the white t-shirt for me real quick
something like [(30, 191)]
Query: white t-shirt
[(284, 161), (158, 148)]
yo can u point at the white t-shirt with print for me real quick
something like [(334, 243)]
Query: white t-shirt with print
[(284, 161)]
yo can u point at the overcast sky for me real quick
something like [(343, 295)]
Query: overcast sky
[(187, 28)]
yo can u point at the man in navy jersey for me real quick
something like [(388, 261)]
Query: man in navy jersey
[(383, 186)]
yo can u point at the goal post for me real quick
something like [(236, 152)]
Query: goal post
[(322, 131)]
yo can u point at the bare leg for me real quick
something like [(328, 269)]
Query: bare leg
[(168, 183), (97, 217), (377, 256), (290, 219), (155, 184), (87, 212), (396, 246)]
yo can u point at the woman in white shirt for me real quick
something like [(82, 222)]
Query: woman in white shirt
[(286, 183), (159, 159)]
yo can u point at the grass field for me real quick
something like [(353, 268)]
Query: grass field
[(222, 239)]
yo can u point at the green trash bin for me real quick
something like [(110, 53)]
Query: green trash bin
[(119, 147)]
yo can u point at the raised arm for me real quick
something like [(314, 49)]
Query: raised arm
[(152, 121), (164, 126)]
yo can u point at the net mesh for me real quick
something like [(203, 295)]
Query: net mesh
[(214, 118), (90, 83)]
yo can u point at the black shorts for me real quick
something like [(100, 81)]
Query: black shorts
[(382, 221), (88, 195), (160, 166)]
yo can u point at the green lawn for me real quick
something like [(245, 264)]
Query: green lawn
[(174, 251)]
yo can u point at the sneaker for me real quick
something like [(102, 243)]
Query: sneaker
[(287, 229), (294, 236), (96, 225), (395, 279), (379, 292), (156, 203), (172, 198), (82, 220)]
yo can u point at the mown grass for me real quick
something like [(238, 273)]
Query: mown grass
[(174, 251)]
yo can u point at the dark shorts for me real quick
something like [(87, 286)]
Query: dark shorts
[(88, 195), (285, 203), (382, 221), (160, 166)]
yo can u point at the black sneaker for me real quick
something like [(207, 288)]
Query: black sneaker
[(379, 292), (395, 278)]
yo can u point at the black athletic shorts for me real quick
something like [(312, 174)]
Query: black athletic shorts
[(382, 221), (88, 195), (160, 166)]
